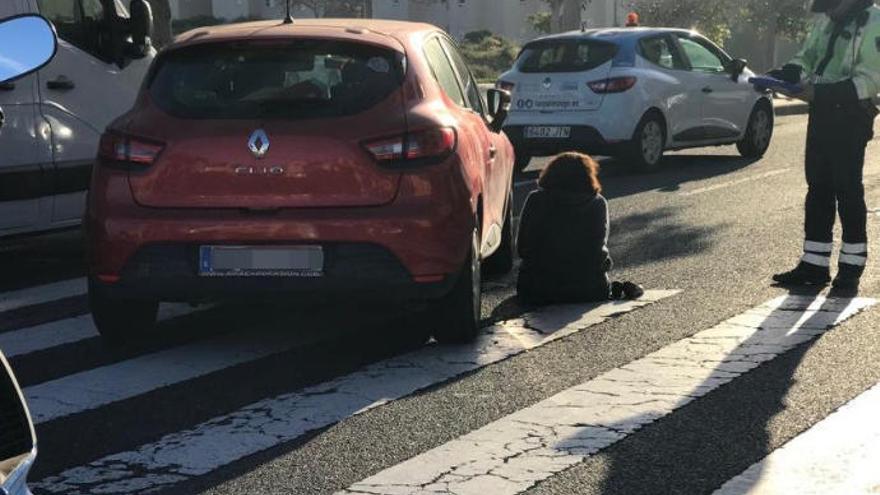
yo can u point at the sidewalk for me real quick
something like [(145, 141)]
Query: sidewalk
[(785, 106)]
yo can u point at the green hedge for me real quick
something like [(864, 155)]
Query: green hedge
[(488, 55)]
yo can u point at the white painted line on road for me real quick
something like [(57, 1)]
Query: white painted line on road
[(267, 423), (31, 296), (513, 454), (98, 387), (838, 455), (736, 182), (67, 331)]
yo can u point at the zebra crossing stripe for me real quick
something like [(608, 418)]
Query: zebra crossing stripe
[(67, 331), (99, 387), (225, 439), (837, 455), (32, 296), (513, 454)]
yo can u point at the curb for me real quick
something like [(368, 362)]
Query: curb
[(790, 107)]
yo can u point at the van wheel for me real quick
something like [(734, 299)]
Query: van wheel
[(501, 261), (457, 315), (522, 161), (648, 144), (117, 319), (759, 132)]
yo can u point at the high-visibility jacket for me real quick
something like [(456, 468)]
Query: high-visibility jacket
[(855, 56)]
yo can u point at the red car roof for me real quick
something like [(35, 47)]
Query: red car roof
[(393, 34)]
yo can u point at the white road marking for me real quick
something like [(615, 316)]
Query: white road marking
[(264, 424), (837, 456), (98, 387), (723, 185), (513, 454), (45, 293), (67, 331)]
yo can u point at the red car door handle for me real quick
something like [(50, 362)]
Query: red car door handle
[(493, 152)]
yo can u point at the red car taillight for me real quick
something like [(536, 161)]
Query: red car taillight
[(506, 86), (613, 85), (118, 150), (415, 148)]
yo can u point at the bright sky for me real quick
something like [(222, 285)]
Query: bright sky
[(25, 44)]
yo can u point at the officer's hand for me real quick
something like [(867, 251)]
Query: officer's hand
[(790, 73), (807, 93)]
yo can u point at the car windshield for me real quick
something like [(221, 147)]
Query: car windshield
[(565, 55), (301, 79)]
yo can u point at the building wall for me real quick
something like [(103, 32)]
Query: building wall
[(459, 17), (182, 9), (508, 18), (231, 9)]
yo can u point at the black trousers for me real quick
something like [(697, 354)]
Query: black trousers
[(835, 162)]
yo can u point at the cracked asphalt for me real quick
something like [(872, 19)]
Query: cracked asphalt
[(710, 225)]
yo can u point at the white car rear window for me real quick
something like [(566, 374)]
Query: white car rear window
[(565, 55)]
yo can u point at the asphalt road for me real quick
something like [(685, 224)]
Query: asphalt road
[(710, 224)]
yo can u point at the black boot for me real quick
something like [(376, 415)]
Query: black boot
[(626, 291), (632, 291), (616, 291), (804, 274), (848, 278)]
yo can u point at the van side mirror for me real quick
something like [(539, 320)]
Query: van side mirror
[(736, 68), (141, 27), (498, 101), (18, 443), (28, 42)]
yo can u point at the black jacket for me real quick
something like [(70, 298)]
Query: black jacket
[(563, 241)]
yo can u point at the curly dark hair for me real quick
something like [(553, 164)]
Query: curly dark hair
[(571, 172)]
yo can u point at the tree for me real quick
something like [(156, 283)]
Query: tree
[(565, 15), (711, 17), (336, 8), (541, 22), (773, 18)]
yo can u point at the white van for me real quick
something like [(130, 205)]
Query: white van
[(51, 120)]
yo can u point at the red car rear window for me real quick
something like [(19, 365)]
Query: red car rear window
[(301, 79)]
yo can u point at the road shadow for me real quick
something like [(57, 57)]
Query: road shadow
[(660, 234), (35, 260), (619, 179), (686, 448)]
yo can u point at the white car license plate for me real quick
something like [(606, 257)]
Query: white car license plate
[(547, 132), (262, 261)]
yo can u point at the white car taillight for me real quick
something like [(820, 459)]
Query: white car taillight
[(613, 85)]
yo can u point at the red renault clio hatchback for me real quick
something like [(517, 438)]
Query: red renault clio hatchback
[(342, 158)]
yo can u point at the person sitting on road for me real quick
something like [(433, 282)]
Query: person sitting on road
[(563, 237)]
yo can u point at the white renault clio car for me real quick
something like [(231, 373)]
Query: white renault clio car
[(633, 93)]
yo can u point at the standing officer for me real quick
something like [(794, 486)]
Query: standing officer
[(839, 67)]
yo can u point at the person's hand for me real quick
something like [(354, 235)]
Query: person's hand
[(790, 73), (807, 93)]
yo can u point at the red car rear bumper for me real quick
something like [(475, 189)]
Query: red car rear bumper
[(419, 241)]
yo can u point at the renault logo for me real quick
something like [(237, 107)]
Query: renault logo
[(547, 83), (259, 143)]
